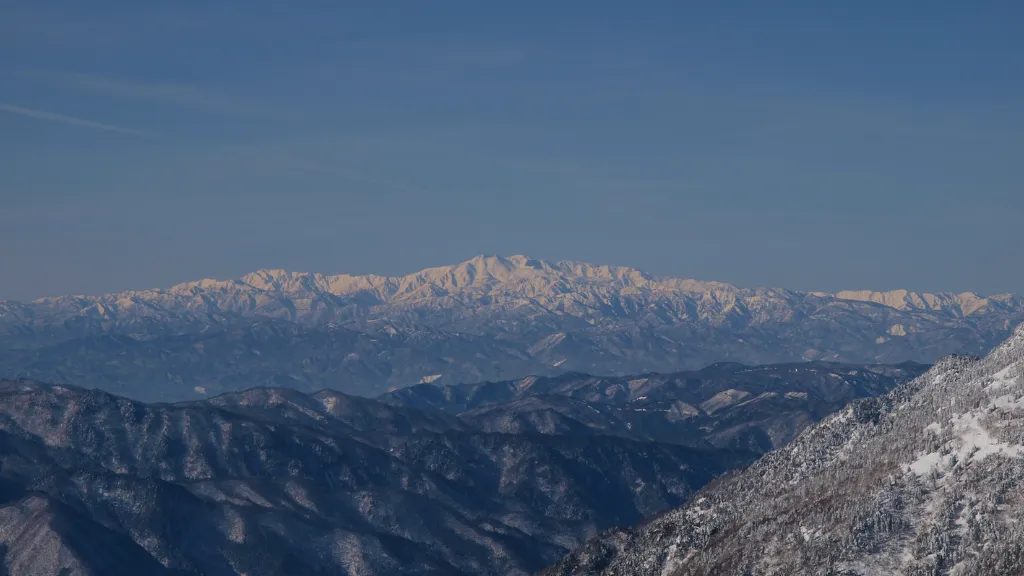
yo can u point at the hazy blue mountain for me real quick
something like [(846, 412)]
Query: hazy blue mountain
[(724, 405)]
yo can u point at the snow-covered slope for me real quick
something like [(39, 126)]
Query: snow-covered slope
[(928, 479), (487, 318)]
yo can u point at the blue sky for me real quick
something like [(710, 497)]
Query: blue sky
[(855, 145)]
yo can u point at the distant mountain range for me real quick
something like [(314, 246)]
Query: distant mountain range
[(489, 318), (492, 478), (927, 479)]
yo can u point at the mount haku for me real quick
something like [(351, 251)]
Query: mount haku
[(486, 319)]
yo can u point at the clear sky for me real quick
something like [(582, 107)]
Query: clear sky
[(872, 144)]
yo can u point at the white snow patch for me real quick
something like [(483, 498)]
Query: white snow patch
[(671, 561), (234, 526), (429, 379), (1001, 379), (928, 462), (808, 534), (843, 416), (972, 443), (1008, 402), (526, 382), (897, 330), (723, 399), (634, 384), (973, 436)]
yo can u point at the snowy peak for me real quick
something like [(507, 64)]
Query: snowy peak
[(964, 304), (494, 272), (479, 275), (282, 280), (1010, 352)]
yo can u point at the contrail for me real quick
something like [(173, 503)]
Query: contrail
[(43, 115)]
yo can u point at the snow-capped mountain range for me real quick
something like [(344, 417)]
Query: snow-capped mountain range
[(595, 294), (487, 318)]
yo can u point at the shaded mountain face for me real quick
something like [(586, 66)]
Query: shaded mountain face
[(486, 319), (274, 481), (928, 479), (724, 405)]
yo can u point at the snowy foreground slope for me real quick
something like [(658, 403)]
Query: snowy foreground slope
[(928, 479)]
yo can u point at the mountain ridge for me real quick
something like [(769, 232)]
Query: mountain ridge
[(752, 408), (497, 269), (488, 318)]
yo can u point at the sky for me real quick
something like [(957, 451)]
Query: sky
[(809, 145)]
